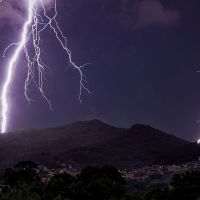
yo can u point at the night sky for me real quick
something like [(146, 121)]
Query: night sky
[(145, 55)]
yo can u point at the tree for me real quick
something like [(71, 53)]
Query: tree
[(186, 186), (158, 194), (60, 186), (100, 183), (22, 192), (23, 173), (132, 196)]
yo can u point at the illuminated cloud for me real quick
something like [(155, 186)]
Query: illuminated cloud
[(12, 12), (142, 13)]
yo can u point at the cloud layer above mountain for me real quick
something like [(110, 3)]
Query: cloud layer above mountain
[(13, 12), (142, 13)]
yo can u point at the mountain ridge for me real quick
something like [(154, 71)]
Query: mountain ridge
[(94, 143)]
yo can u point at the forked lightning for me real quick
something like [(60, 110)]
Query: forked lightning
[(37, 22)]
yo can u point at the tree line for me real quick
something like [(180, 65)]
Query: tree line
[(23, 182)]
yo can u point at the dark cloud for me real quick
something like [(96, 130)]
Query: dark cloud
[(142, 13), (12, 12)]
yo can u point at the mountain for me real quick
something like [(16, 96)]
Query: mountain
[(185, 153), (140, 145), (95, 143), (27, 144)]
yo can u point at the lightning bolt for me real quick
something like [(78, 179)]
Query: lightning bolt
[(37, 22)]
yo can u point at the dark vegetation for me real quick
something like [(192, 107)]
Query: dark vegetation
[(95, 143), (23, 182)]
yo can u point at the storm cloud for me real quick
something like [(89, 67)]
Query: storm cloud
[(13, 12), (142, 13)]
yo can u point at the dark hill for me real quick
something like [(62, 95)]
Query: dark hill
[(140, 145), (94, 142), (50, 142), (185, 153)]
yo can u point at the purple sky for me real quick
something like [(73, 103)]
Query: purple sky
[(144, 57)]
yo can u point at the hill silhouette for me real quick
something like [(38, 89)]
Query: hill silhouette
[(95, 143)]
